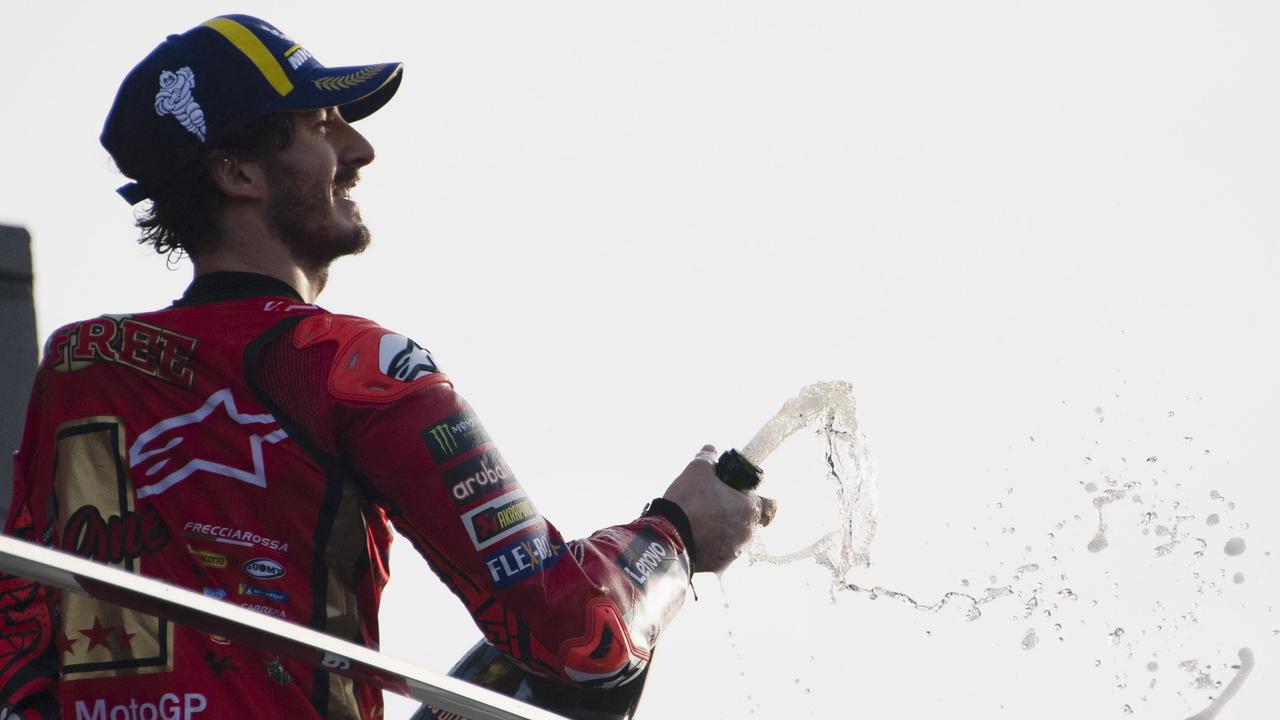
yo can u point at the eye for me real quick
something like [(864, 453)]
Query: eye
[(323, 122)]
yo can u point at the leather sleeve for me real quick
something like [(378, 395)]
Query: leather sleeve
[(588, 611)]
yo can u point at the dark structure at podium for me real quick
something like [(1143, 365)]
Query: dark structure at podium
[(18, 347)]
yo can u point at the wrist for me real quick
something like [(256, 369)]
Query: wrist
[(664, 508)]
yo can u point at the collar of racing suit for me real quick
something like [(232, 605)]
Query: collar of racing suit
[(221, 286)]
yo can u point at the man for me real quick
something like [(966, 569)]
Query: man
[(250, 445)]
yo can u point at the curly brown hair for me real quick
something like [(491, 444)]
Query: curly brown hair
[(182, 217)]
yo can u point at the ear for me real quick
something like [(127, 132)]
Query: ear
[(237, 177)]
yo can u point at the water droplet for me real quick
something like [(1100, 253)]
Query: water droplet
[(1215, 495), (1238, 578), (1098, 543), (1212, 520), (1087, 459), (1152, 459), (1091, 487), (1030, 639), (1152, 666), (1116, 635), (1234, 547), (1126, 709), (1097, 410)]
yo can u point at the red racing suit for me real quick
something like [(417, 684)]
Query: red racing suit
[(255, 448)]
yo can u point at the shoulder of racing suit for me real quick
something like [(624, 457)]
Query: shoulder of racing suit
[(372, 364)]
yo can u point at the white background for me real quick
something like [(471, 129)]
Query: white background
[(628, 229)]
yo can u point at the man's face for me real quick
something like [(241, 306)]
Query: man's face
[(309, 181)]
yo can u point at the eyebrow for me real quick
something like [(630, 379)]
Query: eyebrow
[(309, 115)]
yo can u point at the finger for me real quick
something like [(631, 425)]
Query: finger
[(767, 508), (707, 454)]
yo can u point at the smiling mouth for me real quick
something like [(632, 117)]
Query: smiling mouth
[(344, 181)]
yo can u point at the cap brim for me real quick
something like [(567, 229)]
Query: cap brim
[(358, 91)]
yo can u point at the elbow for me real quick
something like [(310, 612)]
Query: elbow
[(605, 655)]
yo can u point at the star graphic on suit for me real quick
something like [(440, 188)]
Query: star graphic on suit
[(126, 639), (97, 634), (65, 644)]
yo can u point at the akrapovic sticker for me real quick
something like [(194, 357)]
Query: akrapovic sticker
[(501, 517)]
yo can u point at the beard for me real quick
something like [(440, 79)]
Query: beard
[(309, 222)]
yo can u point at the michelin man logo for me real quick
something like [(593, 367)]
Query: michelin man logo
[(175, 99)]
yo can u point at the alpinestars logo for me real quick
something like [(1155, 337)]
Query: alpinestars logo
[(211, 447), (402, 359), (174, 98)]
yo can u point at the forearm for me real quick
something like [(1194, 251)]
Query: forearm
[(587, 611)]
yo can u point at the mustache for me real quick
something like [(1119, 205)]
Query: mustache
[(346, 178)]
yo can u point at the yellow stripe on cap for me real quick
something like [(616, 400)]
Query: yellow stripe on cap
[(249, 44)]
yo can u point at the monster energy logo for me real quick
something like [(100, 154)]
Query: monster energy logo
[(454, 436), (444, 438)]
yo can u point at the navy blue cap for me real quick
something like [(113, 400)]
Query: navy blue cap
[(218, 77)]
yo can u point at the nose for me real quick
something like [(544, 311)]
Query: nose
[(353, 149)]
